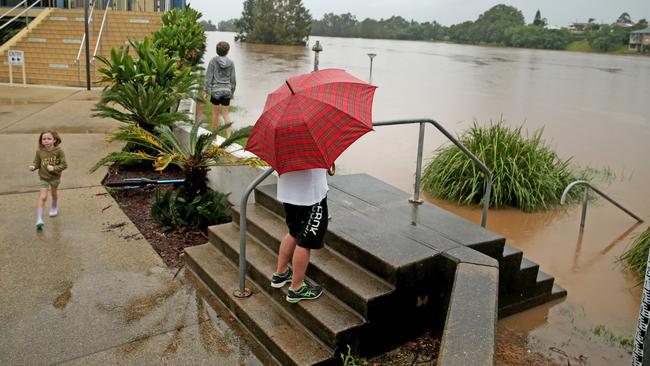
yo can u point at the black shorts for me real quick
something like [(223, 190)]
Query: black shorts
[(307, 224), (220, 101)]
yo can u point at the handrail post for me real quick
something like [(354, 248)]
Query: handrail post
[(243, 291), (585, 201), (482, 167), (418, 167)]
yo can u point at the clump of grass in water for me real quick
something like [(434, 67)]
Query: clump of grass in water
[(636, 258), (526, 173), (625, 342)]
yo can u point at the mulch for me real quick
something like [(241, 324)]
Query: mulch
[(136, 204)]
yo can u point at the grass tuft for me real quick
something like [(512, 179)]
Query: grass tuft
[(636, 258), (526, 173)]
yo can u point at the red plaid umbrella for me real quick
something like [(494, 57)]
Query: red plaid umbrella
[(311, 119)]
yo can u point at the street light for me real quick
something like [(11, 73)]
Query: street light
[(371, 55), (317, 48)]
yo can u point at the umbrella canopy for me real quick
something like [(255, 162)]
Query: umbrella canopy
[(311, 119)]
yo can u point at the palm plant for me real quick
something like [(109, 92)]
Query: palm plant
[(163, 148), (145, 90)]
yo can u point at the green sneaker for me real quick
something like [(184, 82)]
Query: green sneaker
[(306, 292), (279, 280), (39, 225)]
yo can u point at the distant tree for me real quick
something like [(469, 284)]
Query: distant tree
[(490, 26), (227, 25), (208, 26), (624, 18), (332, 25), (532, 36), (539, 21), (274, 22)]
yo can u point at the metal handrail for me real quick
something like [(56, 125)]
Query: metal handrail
[(83, 39), (20, 14), (12, 9), (101, 30), (243, 291), (416, 194), (586, 200)]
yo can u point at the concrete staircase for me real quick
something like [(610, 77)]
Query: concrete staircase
[(51, 47), (385, 280)]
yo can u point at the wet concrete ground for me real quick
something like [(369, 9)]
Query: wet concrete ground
[(88, 289)]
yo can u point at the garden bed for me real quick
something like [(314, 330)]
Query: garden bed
[(136, 204)]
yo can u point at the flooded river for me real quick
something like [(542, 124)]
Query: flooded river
[(592, 107)]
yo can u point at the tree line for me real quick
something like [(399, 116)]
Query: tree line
[(289, 22)]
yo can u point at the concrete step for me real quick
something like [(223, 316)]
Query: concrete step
[(527, 276), (358, 288), (347, 247), (288, 340), (517, 302), (509, 265), (328, 318)]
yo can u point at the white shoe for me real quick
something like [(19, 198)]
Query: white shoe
[(54, 212), (39, 224)]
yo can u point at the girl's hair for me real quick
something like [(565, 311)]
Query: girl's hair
[(222, 48), (55, 135)]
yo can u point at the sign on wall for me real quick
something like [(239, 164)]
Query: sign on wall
[(16, 57)]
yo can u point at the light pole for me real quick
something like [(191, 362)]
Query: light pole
[(87, 45), (317, 48), (371, 55)]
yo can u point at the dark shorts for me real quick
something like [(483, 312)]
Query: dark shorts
[(220, 101), (307, 224)]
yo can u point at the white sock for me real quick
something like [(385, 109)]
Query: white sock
[(53, 210), (39, 214)]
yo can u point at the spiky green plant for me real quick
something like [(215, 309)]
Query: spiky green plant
[(636, 257), (145, 89), (526, 173), (163, 148)]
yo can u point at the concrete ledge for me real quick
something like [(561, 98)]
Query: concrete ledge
[(469, 336)]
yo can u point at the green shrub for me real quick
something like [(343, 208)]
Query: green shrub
[(636, 258), (526, 173), (182, 36), (178, 211)]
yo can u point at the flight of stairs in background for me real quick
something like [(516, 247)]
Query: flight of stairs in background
[(52, 46)]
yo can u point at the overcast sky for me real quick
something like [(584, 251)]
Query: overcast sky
[(447, 12)]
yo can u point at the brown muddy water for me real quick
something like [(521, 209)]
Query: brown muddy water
[(593, 108)]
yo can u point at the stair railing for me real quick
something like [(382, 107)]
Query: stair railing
[(24, 2), (585, 200), (83, 41), (243, 291), (98, 42), (415, 200)]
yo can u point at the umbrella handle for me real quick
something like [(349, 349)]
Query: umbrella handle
[(332, 170)]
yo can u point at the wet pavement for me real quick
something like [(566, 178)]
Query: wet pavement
[(89, 289)]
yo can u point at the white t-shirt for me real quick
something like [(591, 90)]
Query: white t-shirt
[(303, 187)]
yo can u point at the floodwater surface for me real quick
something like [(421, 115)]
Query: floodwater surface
[(593, 109)]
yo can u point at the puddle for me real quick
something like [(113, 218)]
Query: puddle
[(63, 299)]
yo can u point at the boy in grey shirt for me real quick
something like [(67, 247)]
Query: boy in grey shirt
[(220, 82)]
